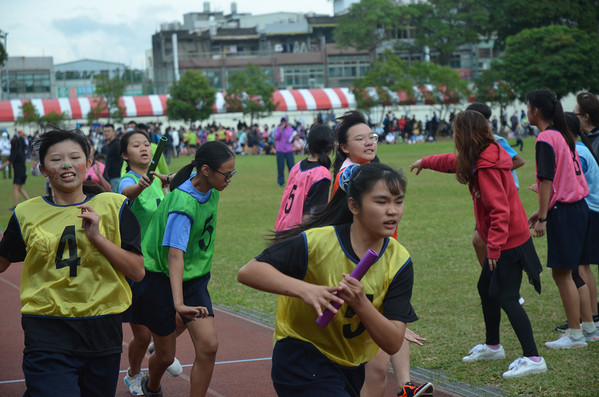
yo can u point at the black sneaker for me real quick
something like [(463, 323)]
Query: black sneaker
[(410, 390), (564, 327), (146, 390)]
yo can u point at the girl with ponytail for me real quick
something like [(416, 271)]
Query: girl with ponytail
[(563, 213), (309, 181), (178, 250)]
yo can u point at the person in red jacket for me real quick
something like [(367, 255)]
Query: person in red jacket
[(502, 223)]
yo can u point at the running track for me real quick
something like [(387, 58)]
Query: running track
[(242, 363)]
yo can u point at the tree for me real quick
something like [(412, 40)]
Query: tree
[(53, 118), (445, 25), (491, 88), (251, 92), (29, 115), (387, 75), (562, 59), (3, 54), (367, 24), (109, 92), (191, 98), (510, 17), (446, 85)]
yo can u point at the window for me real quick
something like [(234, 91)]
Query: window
[(485, 53)]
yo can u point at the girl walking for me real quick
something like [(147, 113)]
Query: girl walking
[(309, 181), (18, 161), (502, 224), (308, 261), (178, 250)]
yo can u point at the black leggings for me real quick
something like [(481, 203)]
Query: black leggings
[(509, 280)]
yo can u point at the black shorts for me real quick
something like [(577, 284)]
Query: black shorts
[(594, 237), (153, 301), (126, 315), (19, 180), (568, 235), (300, 369), (58, 374)]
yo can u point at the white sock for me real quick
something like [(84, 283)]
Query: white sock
[(589, 328), (575, 333)]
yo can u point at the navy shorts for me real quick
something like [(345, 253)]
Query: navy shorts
[(153, 301), (594, 237), (19, 180), (300, 369), (56, 374), (569, 235)]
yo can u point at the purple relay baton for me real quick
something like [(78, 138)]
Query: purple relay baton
[(359, 271)]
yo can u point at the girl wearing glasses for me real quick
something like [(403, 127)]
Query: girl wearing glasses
[(178, 250), (145, 196), (356, 144), (309, 180), (502, 224), (309, 267)]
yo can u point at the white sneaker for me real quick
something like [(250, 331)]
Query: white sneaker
[(592, 337), (482, 352), (134, 383), (175, 369), (566, 341), (525, 366)]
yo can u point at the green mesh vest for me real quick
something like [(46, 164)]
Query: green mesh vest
[(145, 205), (200, 248)]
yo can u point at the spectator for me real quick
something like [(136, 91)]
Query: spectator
[(112, 172), (283, 137)]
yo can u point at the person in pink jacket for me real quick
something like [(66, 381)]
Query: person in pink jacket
[(502, 223)]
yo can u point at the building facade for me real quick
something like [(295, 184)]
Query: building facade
[(28, 78)]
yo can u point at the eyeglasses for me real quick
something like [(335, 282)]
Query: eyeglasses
[(578, 114), (374, 138), (227, 176)]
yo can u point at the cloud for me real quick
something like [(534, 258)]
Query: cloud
[(71, 27)]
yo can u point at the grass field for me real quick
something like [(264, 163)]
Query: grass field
[(436, 229)]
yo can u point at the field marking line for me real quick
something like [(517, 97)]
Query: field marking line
[(11, 284), (249, 320)]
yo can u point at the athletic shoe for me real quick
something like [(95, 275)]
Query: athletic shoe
[(521, 301), (563, 327), (134, 383), (525, 366), (410, 390), (596, 320), (592, 337), (483, 352), (146, 391), (565, 341), (175, 369)]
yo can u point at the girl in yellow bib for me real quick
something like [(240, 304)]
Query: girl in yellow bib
[(77, 250), (309, 267)]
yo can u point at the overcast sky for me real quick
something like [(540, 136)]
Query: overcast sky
[(112, 30)]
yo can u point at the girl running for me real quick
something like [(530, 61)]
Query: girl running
[(18, 162), (307, 262), (501, 222), (96, 171), (357, 144), (77, 251), (178, 250), (563, 213), (145, 196), (309, 181)]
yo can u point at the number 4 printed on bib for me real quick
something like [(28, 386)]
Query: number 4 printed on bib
[(68, 237)]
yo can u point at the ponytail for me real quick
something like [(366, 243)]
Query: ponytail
[(573, 123), (552, 112), (321, 142), (213, 154)]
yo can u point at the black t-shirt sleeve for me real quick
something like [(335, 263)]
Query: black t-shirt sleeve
[(12, 157), (130, 230), (12, 246), (396, 305), (545, 157), (318, 196), (288, 256)]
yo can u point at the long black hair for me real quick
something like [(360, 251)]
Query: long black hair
[(336, 212), (348, 120), (573, 123), (589, 104), (321, 142), (125, 143), (213, 154), (551, 111)]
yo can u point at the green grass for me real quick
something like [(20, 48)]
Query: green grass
[(436, 229)]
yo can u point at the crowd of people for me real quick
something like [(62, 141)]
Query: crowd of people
[(141, 243)]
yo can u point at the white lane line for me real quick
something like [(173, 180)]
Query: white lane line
[(11, 284)]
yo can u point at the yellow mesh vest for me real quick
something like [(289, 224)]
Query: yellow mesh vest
[(65, 274), (344, 341)]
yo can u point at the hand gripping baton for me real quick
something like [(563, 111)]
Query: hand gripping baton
[(358, 272), (156, 156)]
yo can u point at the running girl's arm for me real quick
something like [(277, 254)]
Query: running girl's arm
[(440, 162), (133, 191), (387, 334), (545, 187), (494, 197), (264, 277), (103, 182), (131, 264), (517, 162), (4, 264), (175, 270)]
